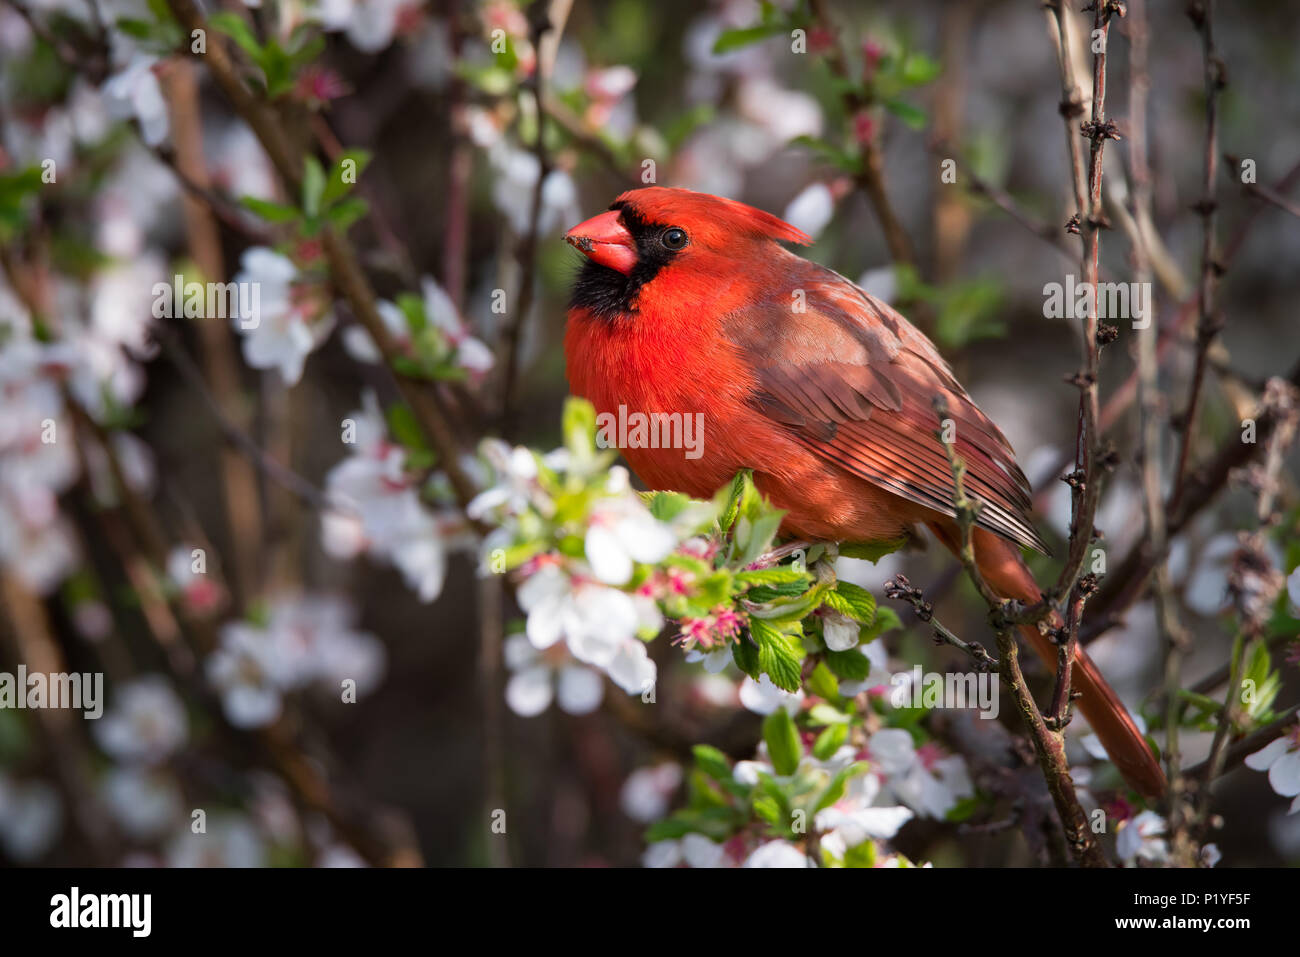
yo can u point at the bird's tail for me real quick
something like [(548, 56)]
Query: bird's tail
[(1005, 571)]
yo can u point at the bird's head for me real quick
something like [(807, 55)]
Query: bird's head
[(657, 231)]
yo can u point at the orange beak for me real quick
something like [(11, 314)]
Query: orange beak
[(605, 240)]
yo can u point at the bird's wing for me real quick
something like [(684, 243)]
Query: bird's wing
[(855, 382)]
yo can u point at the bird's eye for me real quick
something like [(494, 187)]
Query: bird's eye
[(674, 237)]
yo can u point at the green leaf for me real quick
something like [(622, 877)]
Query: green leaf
[(783, 744), (769, 809), (781, 575), (313, 186), (851, 665), (404, 428), (712, 762), (238, 29), (861, 855), (579, 424), (745, 654), (731, 497), (830, 741), (852, 601), (871, 551), (161, 11), (847, 160), (669, 829), (755, 535), (823, 684), (822, 714), (140, 29), (351, 164), (835, 790), (666, 506), (779, 655), (740, 37), (346, 212), (963, 809), (886, 620), (271, 212), (919, 69), (909, 114)]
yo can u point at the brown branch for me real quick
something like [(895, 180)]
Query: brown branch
[(1273, 198), (1201, 13), (1071, 104), (1049, 746), (238, 482), (899, 588), (1045, 734), (1067, 643), (1086, 492)]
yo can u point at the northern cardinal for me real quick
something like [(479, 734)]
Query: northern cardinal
[(688, 303)]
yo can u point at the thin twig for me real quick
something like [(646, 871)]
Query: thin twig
[(1201, 13), (899, 588)]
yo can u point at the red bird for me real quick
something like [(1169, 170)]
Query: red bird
[(687, 303)]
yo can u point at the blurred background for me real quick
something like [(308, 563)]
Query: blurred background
[(152, 164)]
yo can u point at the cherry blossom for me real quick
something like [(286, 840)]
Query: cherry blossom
[(31, 818), (1281, 759), (763, 697), (145, 724), (647, 791), (928, 783), (1141, 838), (777, 854), (540, 677), (290, 321)]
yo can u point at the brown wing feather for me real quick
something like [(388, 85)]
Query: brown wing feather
[(855, 382)]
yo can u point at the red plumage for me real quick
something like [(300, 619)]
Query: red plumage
[(687, 304)]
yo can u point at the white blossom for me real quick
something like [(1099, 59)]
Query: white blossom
[(1281, 759), (930, 787), (1141, 837), (763, 697), (646, 792), (229, 841), (812, 209), (31, 818), (777, 854), (146, 724), (537, 679), (134, 92), (287, 324)]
